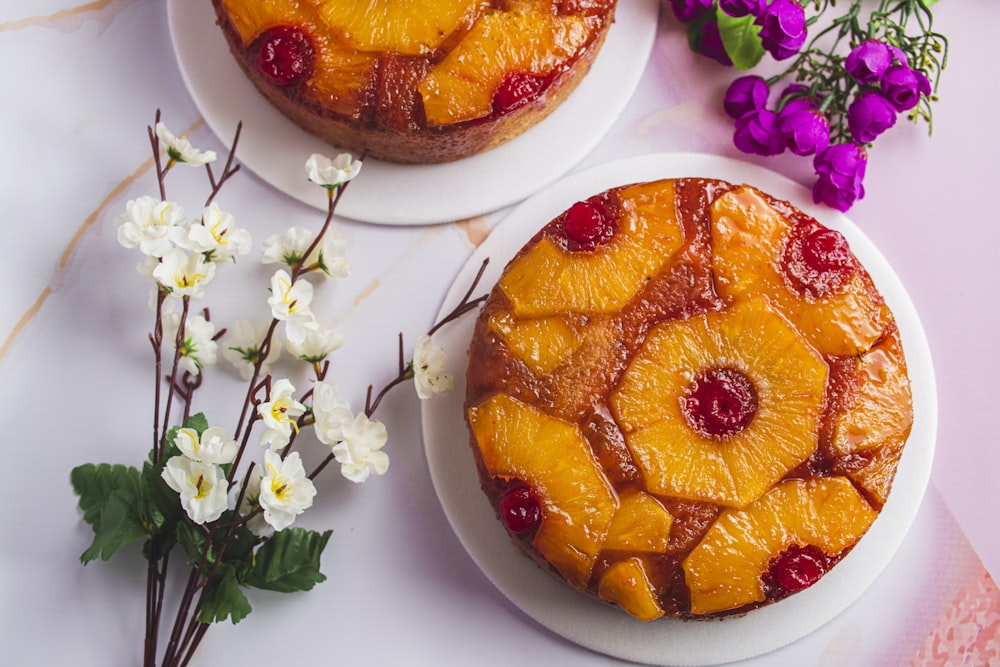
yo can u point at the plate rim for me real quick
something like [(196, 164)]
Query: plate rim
[(684, 643)]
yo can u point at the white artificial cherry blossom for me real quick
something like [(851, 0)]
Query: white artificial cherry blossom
[(217, 235), (198, 348), (331, 413), (279, 415), (290, 303), (155, 226), (202, 487), (290, 249), (429, 374), (184, 274), (285, 490), (241, 347), (179, 149), (331, 174), (214, 445), (316, 346), (360, 455)]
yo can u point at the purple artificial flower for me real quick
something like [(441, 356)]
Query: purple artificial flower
[(744, 95), (708, 42), (869, 115), (804, 130), (897, 55), (840, 170), (689, 10), (901, 87), (923, 83), (757, 133), (739, 8), (868, 60), (782, 28)]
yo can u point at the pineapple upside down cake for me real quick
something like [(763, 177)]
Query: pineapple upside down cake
[(687, 398), (415, 80)]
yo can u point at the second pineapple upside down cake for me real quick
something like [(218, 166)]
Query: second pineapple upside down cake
[(420, 80), (687, 398)]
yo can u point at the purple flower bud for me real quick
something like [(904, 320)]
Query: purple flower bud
[(742, 7), (868, 60), (869, 115), (757, 133), (901, 87), (804, 131), (923, 83), (708, 42), (689, 10), (782, 28), (744, 95), (897, 55), (840, 170)]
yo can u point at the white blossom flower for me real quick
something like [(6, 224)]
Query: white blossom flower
[(241, 347), (290, 249), (285, 490), (155, 226), (331, 412), (251, 501), (217, 235), (330, 174), (359, 454), (179, 149), (215, 445), (290, 303), (429, 374), (184, 274), (202, 487), (279, 415), (316, 345), (198, 348)]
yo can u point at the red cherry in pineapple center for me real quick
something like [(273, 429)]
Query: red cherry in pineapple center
[(720, 403), (819, 260), (797, 568), (519, 510), (516, 90), (587, 226), (286, 55)]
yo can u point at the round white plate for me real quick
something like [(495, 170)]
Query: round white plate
[(395, 194), (598, 626)]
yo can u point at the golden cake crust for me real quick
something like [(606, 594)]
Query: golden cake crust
[(373, 103), (582, 369)]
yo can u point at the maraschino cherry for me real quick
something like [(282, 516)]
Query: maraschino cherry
[(520, 510), (720, 403), (818, 260), (587, 225), (516, 90), (286, 55), (797, 568)]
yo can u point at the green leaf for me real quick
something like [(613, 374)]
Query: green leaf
[(741, 39), (112, 501), (197, 422), (224, 599), (289, 561)]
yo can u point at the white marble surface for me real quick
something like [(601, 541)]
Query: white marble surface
[(83, 81)]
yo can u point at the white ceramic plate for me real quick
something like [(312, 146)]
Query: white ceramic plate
[(394, 194), (601, 627)]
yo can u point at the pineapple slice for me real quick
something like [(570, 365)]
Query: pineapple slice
[(252, 17), (750, 341), (542, 344), (409, 27), (548, 279), (529, 39), (342, 77), (726, 570), (748, 238), (879, 417), (641, 524), (625, 583), (552, 456)]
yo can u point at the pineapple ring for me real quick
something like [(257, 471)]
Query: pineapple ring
[(676, 460)]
